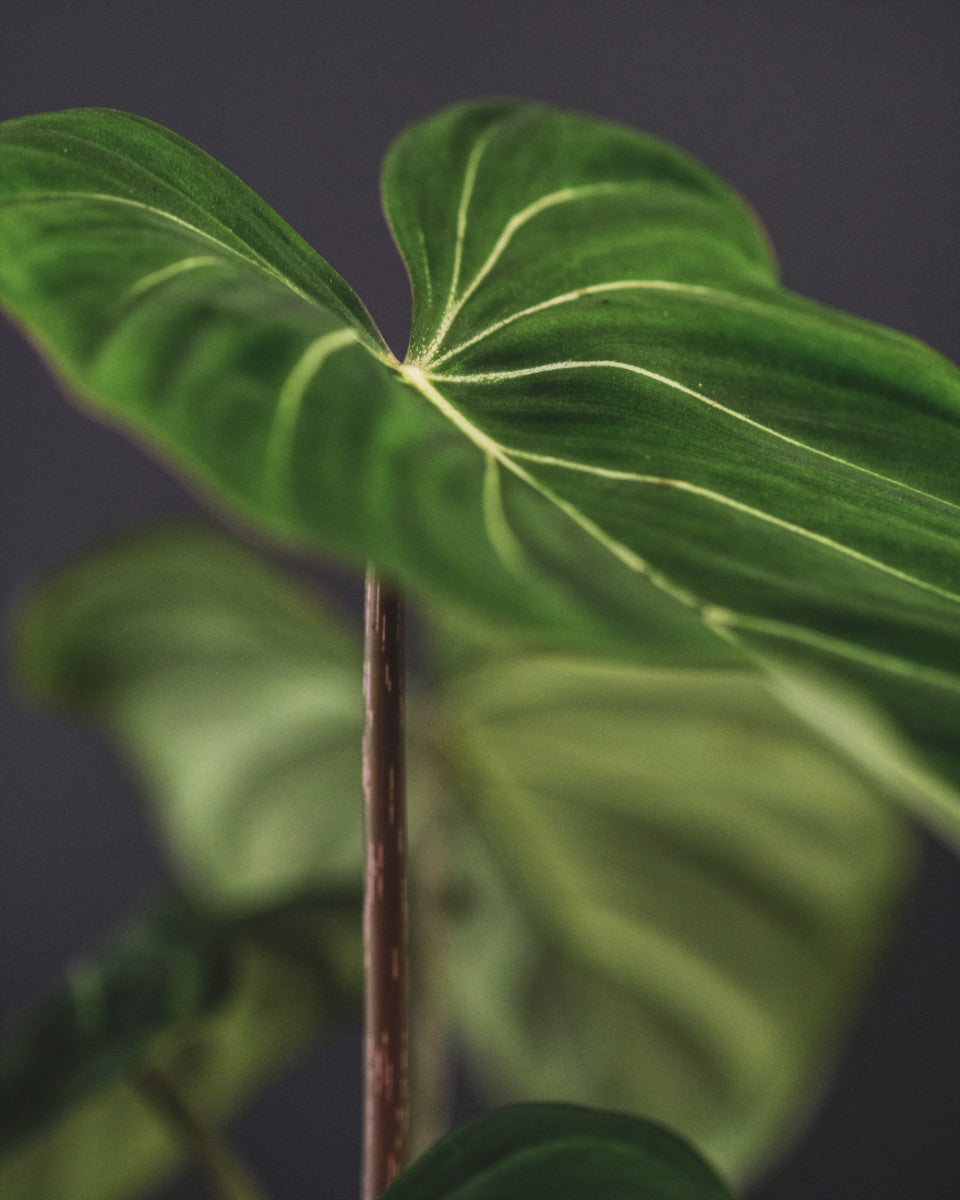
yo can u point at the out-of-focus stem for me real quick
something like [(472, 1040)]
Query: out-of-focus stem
[(227, 1176)]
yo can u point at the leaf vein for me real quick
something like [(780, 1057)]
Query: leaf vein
[(738, 505), (518, 220), (469, 179), (727, 621), (495, 520), (590, 290), (629, 558), (614, 364), (155, 278), (248, 254), (290, 400)]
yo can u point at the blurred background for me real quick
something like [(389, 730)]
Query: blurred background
[(839, 123)]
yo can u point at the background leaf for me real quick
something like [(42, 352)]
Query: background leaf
[(665, 895), (664, 861), (170, 966), (76, 1126), (556, 1151), (239, 705), (238, 701)]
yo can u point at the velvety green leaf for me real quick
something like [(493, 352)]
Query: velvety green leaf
[(172, 300), (613, 423), (216, 1007), (112, 169), (558, 1152), (666, 895), (600, 318), (237, 700)]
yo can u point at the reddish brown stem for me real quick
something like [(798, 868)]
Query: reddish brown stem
[(385, 895)]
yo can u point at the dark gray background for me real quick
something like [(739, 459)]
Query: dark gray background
[(838, 121)]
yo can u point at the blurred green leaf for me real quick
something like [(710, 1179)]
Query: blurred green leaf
[(665, 895), (170, 966), (665, 891), (237, 699), (238, 702), (558, 1152), (216, 1007)]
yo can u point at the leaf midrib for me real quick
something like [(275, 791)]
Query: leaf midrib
[(422, 369), (722, 621), (667, 381), (419, 379), (589, 934), (247, 254)]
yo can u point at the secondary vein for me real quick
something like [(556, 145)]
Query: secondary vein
[(290, 400), (519, 219), (723, 619), (248, 254), (738, 505), (417, 378), (171, 271), (592, 289), (615, 364)]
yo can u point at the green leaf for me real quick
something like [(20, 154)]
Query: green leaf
[(601, 319), (216, 1007), (558, 1152), (613, 424), (173, 300), (170, 299), (666, 895), (170, 966), (238, 701), (239, 704)]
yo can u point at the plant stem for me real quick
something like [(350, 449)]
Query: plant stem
[(227, 1176), (385, 894)]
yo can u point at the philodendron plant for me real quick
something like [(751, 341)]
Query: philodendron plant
[(684, 548)]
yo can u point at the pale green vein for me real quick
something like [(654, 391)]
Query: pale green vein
[(466, 193), (171, 271), (290, 400), (660, 966), (616, 365), (424, 254), (517, 221), (690, 289), (726, 620), (490, 447), (495, 519), (247, 255), (731, 1024), (759, 514)]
